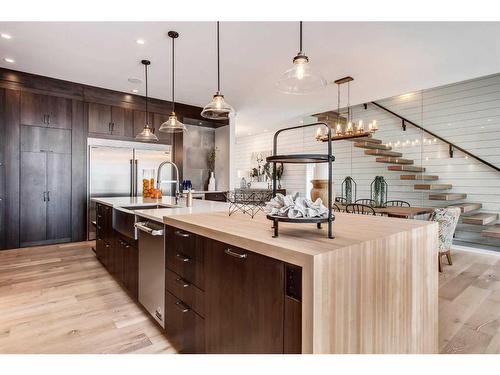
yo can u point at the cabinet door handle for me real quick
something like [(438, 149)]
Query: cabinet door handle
[(48, 196), (229, 251), (182, 258), (112, 127), (44, 119), (182, 307), (181, 234), (109, 127), (45, 196), (182, 282), (48, 119)]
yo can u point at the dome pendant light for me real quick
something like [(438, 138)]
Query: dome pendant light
[(147, 133), (300, 79), (217, 109), (173, 125)]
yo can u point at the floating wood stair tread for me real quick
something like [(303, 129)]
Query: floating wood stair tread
[(447, 197), (372, 146), (493, 231), (394, 161), (480, 219), (467, 207), (406, 168), (300, 158), (365, 139), (433, 186), (421, 177), (383, 153)]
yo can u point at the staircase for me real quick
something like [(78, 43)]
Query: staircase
[(471, 216)]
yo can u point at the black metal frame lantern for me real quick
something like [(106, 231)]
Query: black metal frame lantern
[(378, 191), (349, 180)]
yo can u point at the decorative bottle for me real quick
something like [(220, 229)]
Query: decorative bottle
[(211, 182)]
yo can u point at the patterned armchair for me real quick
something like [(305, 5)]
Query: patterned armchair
[(447, 219)]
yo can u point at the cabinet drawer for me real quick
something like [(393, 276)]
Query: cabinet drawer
[(184, 242), (185, 266), (185, 328), (187, 292), (218, 197)]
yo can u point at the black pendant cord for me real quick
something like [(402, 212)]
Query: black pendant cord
[(300, 37), (146, 74), (173, 76), (218, 59)]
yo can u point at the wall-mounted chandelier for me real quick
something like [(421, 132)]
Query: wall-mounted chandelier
[(343, 126)]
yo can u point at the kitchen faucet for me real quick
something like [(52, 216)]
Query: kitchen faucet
[(176, 181)]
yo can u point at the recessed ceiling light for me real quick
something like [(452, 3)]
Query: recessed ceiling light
[(140, 41), (6, 36), (134, 80), (135, 91), (9, 60)]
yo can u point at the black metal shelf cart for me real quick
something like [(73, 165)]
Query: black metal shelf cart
[(304, 159)]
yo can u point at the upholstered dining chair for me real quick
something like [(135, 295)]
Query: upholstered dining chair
[(356, 208), (366, 202), (396, 203), (447, 219)]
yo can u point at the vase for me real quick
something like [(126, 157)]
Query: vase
[(320, 190), (211, 182)]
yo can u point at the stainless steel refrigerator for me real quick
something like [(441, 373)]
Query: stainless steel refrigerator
[(115, 168)]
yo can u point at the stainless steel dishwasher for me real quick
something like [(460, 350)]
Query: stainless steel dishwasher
[(152, 268)]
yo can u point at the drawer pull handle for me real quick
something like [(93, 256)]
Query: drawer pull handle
[(181, 234), (182, 258), (182, 282), (182, 307), (228, 251)]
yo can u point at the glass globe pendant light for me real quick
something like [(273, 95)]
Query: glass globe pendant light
[(147, 133), (173, 125), (300, 79), (218, 108)]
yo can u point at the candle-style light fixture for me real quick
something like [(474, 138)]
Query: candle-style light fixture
[(300, 79), (173, 125), (218, 108), (147, 134), (344, 126)]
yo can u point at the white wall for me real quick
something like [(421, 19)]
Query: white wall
[(465, 106)]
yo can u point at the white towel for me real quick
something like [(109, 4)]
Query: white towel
[(295, 207)]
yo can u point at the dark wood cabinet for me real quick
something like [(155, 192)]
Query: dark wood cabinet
[(110, 120), (185, 328), (33, 196), (245, 301), (118, 254), (45, 110), (58, 197), (45, 199)]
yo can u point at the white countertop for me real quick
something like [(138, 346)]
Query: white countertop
[(159, 214)]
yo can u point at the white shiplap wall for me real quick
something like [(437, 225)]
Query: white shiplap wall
[(466, 113)]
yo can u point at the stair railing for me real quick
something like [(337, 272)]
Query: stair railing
[(451, 146)]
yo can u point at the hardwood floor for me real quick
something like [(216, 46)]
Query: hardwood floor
[(59, 299), (469, 304)]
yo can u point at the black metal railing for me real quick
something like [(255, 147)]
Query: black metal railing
[(451, 145)]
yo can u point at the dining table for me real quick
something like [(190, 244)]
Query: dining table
[(397, 211)]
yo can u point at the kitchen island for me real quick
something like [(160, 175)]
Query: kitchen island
[(372, 289)]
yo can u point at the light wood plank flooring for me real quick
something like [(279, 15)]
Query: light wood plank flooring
[(59, 299)]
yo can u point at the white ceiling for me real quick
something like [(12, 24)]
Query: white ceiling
[(384, 58)]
